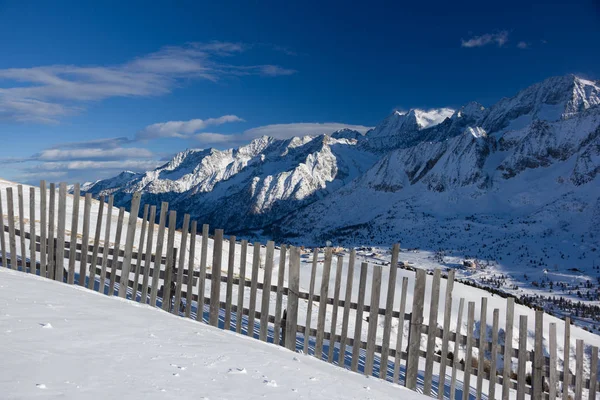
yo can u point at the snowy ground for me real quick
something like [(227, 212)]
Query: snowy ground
[(419, 260), (61, 341)]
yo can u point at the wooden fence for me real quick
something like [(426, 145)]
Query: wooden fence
[(105, 267)]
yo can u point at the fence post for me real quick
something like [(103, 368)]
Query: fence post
[(482, 346), (74, 229), (202, 274), (292, 309), (494, 354), (508, 334), (538, 357), (412, 365), (309, 305), (11, 229), (85, 237), (522, 359), (431, 334), (457, 341), (323, 303), (346, 316), (359, 313), (266, 292), (552, 373), (566, 358), (400, 334), (59, 271), (215, 285), (131, 228), (446, 334), (116, 249), (109, 210), (373, 317), (593, 373), (181, 266), (279, 299), (43, 229), (389, 308), (2, 239), (32, 233), (241, 287), (170, 262), (160, 242), (190, 283), (229, 290), (140, 253), (253, 286), (469, 351), (22, 229), (578, 369), (94, 262), (51, 232), (148, 256), (336, 304)]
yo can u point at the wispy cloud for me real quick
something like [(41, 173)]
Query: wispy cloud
[(522, 45), (182, 129), (44, 94), (499, 39), (278, 131)]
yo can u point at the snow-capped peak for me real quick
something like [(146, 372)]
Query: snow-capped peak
[(432, 117)]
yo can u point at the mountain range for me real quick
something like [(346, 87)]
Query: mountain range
[(482, 181)]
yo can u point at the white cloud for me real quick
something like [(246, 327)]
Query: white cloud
[(278, 131), (182, 129), (499, 38), (522, 45), (44, 94), (121, 165), (93, 154)]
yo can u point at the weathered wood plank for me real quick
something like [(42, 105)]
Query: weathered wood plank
[(59, 271), (412, 364), (105, 249), (170, 266), (160, 243), (242, 286), (202, 273), (215, 285), (229, 284), (400, 333), (116, 247), (292, 306), (147, 261), (191, 261), (97, 233), (456, 358), (129, 239), (279, 298), (389, 308), (538, 358), (43, 229), (468, 351), (32, 233), (433, 317), (362, 285), (578, 369), (11, 228), (494, 354), (510, 310), (266, 292), (51, 232), (593, 374), (2, 238), (553, 375), (181, 266), (74, 232), (311, 292), (521, 372), (346, 315), (373, 317), (140, 253), (482, 339), (85, 238), (566, 357), (323, 303), (254, 283), (446, 334), (22, 242), (336, 302)]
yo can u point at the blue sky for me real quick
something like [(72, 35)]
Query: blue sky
[(88, 89)]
